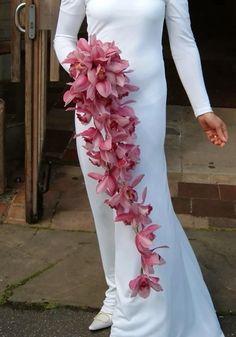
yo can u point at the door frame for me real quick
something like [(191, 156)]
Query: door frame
[(37, 53)]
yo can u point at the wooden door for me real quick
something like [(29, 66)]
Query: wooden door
[(40, 65)]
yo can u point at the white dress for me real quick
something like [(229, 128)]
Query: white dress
[(184, 308)]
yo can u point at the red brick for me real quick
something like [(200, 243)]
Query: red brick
[(195, 190), (181, 205), (213, 208), (227, 192)]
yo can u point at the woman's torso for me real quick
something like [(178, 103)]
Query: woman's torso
[(136, 26)]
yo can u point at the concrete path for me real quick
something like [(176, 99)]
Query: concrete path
[(61, 322), (49, 266), (58, 267), (64, 322)]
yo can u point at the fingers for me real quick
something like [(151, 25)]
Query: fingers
[(217, 141), (214, 138), (220, 133), (225, 131), (214, 128)]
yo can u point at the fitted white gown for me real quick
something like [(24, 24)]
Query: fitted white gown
[(184, 308)]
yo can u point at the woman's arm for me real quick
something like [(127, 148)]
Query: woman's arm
[(187, 60), (71, 16), (186, 55)]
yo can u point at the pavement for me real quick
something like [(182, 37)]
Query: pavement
[(51, 273), (64, 322), (61, 322)]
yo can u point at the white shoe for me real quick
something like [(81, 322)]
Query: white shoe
[(101, 321)]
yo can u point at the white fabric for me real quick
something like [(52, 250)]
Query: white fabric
[(184, 308)]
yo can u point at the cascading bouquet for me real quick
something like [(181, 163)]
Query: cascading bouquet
[(100, 83)]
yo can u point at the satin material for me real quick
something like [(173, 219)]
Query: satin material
[(184, 308)]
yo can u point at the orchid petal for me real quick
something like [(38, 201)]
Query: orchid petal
[(95, 175), (137, 180), (104, 88), (144, 194)]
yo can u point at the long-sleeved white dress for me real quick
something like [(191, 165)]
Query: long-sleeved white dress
[(184, 308)]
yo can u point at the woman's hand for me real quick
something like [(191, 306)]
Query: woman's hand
[(214, 128)]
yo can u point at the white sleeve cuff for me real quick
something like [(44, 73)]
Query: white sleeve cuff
[(203, 110)]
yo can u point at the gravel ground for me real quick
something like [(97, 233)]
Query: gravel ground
[(64, 322)]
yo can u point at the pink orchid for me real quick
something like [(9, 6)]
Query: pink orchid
[(99, 68), (95, 158), (93, 138), (150, 259), (128, 155), (137, 214), (98, 83), (125, 195), (143, 240), (95, 141), (77, 63), (122, 198), (109, 157), (106, 182), (71, 95), (145, 237), (99, 86), (101, 113), (84, 116), (81, 83), (142, 284), (120, 127)]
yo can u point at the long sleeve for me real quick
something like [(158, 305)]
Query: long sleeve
[(186, 55), (71, 16)]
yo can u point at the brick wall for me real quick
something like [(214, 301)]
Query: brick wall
[(205, 205)]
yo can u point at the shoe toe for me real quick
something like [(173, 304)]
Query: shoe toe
[(101, 321)]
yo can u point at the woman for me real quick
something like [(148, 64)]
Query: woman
[(184, 308)]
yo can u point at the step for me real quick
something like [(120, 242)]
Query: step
[(201, 205)]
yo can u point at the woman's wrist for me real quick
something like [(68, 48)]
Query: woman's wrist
[(204, 113)]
